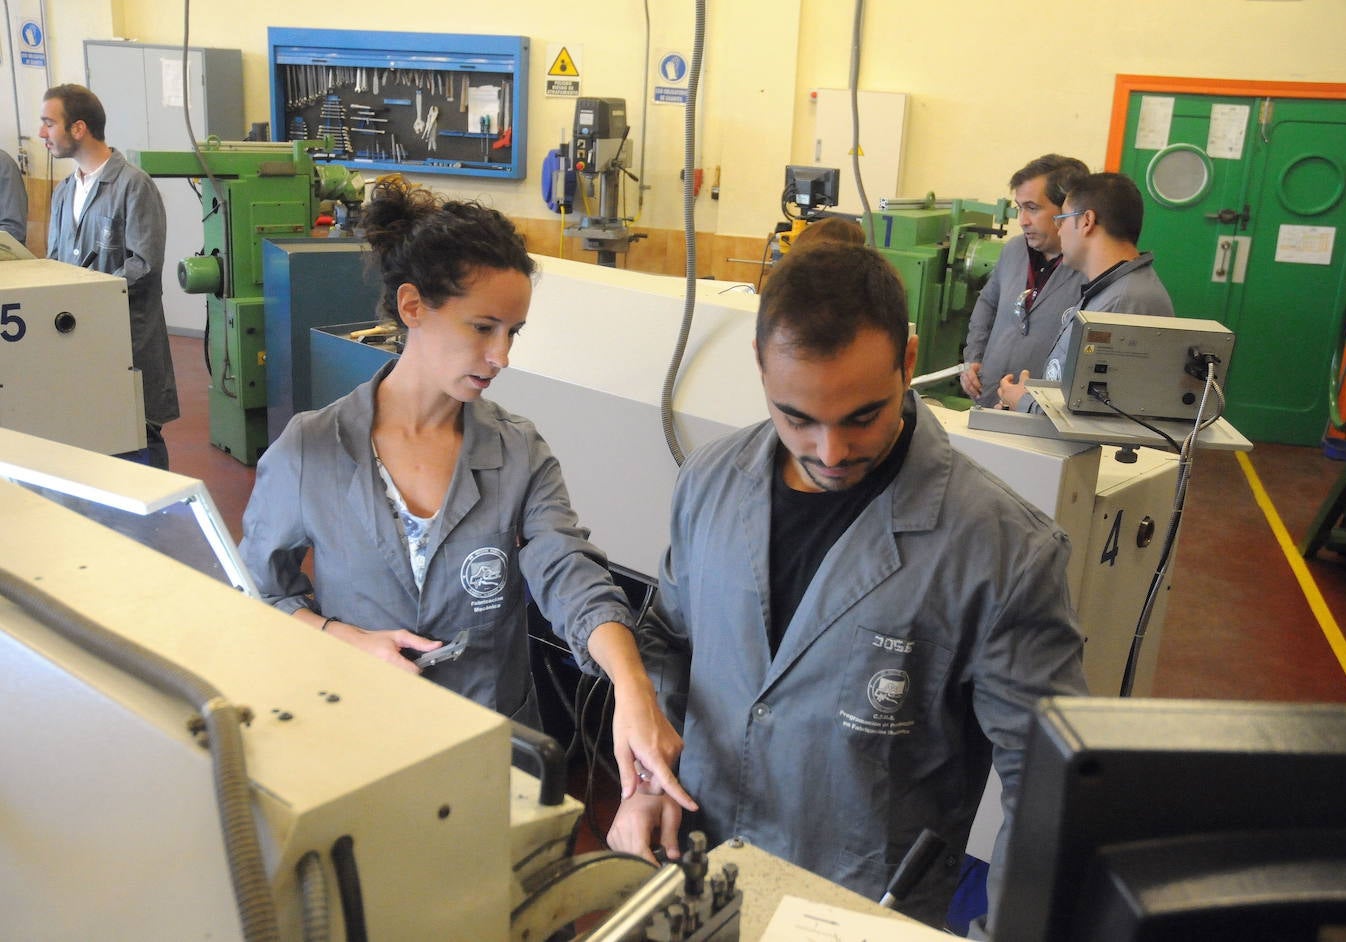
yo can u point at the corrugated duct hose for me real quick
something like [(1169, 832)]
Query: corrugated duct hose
[(688, 234), (252, 891), (313, 893)]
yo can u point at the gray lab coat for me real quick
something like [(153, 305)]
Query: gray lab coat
[(993, 337), (121, 232), (915, 657), (505, 520), (13, 199)]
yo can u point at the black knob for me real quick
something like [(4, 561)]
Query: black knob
[(65, 322)]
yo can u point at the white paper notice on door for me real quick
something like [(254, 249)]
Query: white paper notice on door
[(170, 71), (1305, 245), (1156, 114), (1228, 126)]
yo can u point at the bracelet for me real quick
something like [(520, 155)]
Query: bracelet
[(327, 622)]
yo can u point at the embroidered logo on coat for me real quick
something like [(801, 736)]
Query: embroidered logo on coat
[(887, 689), (483, 573)]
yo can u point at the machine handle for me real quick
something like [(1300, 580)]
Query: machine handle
[(539, 753)]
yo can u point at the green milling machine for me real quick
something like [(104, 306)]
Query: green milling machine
[(250, 192), (944, 251)]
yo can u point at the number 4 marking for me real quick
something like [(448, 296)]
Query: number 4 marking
[(8, 320), (1113, 543)]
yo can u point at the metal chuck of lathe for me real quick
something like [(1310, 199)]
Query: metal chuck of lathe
[(680, 902)]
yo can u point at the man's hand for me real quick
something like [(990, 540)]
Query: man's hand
[(971, 379), (638, 817), (385, 645), (1012, 391)]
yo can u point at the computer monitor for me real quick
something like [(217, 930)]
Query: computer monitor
[(1171, 819), (812, 188)]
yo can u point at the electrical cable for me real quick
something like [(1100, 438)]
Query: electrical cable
[(644, 120), (1186, 457), (761, 270), (856, 36), (688, 235), (218, 204), (14, 77), (1141, 422)]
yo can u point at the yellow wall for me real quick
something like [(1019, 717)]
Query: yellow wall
[(752, 81), (993, 82)]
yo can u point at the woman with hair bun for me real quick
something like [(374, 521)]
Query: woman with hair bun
[(428, 508)]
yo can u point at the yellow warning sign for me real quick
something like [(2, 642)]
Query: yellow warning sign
[(563, 65)]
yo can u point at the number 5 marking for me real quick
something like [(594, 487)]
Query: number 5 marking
[(8, 320)]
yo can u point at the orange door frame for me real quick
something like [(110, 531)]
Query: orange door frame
[(1178, 85)]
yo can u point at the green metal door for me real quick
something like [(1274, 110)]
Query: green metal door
[(1243, 206)]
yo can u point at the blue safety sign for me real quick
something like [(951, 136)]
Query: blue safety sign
[(673, 67), (33, 51), (670, 80)]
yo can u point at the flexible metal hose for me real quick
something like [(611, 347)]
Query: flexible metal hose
[(688, 234), (247, 871), (857, 34), (313, 896)]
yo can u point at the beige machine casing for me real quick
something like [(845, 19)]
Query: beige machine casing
[(65, 357), (108, 825)]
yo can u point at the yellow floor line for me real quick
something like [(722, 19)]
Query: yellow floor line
[(1328, 624)]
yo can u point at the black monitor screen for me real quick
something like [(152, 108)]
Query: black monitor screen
[(812, 188), (1178, 819)]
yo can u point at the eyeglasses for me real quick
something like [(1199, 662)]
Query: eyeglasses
[(1074, 212), (1022, 306)]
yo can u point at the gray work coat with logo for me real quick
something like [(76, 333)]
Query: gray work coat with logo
[(506, 520), (915, 657), (121, 232)]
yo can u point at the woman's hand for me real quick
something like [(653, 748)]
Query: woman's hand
[(384, 645), (644, 743)]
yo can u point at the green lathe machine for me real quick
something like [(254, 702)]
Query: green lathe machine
[(944, 251), (250, 192)]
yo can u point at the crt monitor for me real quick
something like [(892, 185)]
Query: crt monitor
[(1178, 819), (812, 188)]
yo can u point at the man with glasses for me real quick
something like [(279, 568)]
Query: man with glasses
[(1018, 312), (1098, 231)]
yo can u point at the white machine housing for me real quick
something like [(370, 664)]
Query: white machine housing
[(108, 820), (65, 357), (1139, 362)]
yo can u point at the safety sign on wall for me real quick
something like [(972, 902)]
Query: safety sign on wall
[(563, 73), (32, 44), (671, 74)]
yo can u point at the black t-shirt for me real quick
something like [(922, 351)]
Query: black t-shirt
[(1040, 270), (805, 524)]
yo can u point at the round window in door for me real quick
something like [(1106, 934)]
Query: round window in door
[(1311, 185), (1179, 175)]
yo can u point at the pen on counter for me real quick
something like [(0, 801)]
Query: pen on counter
[(918, 860)]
